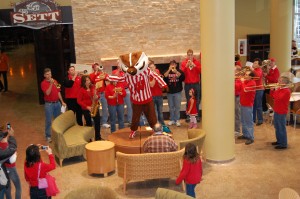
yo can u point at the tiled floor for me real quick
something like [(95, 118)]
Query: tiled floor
[(258, 170)]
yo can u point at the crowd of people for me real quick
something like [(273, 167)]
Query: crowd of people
[(250, 90), (84, 94)]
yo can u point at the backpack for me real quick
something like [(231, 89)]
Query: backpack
[(3, 177)]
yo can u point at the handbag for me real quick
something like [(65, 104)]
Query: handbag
[(52, 189), (42, 182)]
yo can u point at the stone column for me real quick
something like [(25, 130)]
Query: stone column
[(281, 33), (217, 23)]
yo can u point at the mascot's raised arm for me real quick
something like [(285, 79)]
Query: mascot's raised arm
[(137, 72)]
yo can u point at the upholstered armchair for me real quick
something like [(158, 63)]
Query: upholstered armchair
[(195, 136), (162, 193), (68, 138), (92, 192)]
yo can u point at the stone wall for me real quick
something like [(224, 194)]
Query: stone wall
[(164, 30)]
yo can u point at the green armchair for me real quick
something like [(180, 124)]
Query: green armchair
[(68, 138)]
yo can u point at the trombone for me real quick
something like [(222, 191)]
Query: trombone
[(239, 77), (268, 86)]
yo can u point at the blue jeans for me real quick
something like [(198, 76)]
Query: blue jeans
[(247, 122), (280, 129), (14, 177), (104, 116), (174, 101), (128, 105), (257, 107), (51, 110), (158, 105), (237, 113), (2, 192), (190, 190), (114, 112), (197, 88)]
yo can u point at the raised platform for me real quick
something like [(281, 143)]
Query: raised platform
[(126, 145)]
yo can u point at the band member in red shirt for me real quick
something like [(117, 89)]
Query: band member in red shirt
[(98, 78), (115, 93), (281, 103), (191, 68), (247, 99), (237, 105), (157, 94), (87, 97), (257, 106), (72, 86), (52, 97)]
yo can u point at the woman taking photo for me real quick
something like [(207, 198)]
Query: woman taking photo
[(35, 168), (86, 96)]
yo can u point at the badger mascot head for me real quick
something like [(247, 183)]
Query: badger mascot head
[(134, 63)]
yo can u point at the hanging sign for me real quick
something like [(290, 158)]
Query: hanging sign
[(36, 14)]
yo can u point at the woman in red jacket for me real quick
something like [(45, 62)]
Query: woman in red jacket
[(31, 168), (85, 98)]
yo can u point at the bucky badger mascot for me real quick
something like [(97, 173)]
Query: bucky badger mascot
[(137, 73)]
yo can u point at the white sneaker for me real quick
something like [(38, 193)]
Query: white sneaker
[(106, 126), (48, 139), (171, 123), (178, 123)]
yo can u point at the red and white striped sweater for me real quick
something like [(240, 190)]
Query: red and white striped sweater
[(140, 92)]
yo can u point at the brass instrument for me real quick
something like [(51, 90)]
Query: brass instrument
[(240, 77), (95, 105), (117, 89), (56, 83), (265, 66), (268, 86)]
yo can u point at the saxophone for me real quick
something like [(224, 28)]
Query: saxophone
[(95, 105)]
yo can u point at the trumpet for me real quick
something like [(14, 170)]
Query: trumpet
[(240, 77), (268, 86)]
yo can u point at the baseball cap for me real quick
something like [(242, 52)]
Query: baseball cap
[(272, 59)]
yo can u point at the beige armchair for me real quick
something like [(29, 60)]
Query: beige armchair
[(68, 138), (148, 166), (195, 136), (162, 193), (92, 192)]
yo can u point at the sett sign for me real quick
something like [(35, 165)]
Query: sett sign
[(36, 14)]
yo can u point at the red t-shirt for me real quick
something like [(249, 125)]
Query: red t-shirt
[(237, 87), (109, 91), (247, 95), (156, 89), (3, 62), (3, 146), (191, 75), (273, 75), (53, 96), (258, 73), (31, 173), (281, 100), (73, 91)]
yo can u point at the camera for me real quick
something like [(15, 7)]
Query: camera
[(44, 147), (8, 126)]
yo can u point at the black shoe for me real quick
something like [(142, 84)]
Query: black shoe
[(187, 120), (259, 123), (198, 119), (241, 137), (280, 147), (274, 143), (1, 89), (249, 142)]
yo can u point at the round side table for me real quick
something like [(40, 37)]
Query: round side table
[(100, 157)]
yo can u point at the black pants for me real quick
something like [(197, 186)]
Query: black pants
[(4, 73), (36, 193), (88, 119), (75, 107)]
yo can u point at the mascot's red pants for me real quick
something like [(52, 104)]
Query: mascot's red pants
[(148, 110)]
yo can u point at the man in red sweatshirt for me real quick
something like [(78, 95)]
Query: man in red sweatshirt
[(281, 104), (247, 99), (191, 68)]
